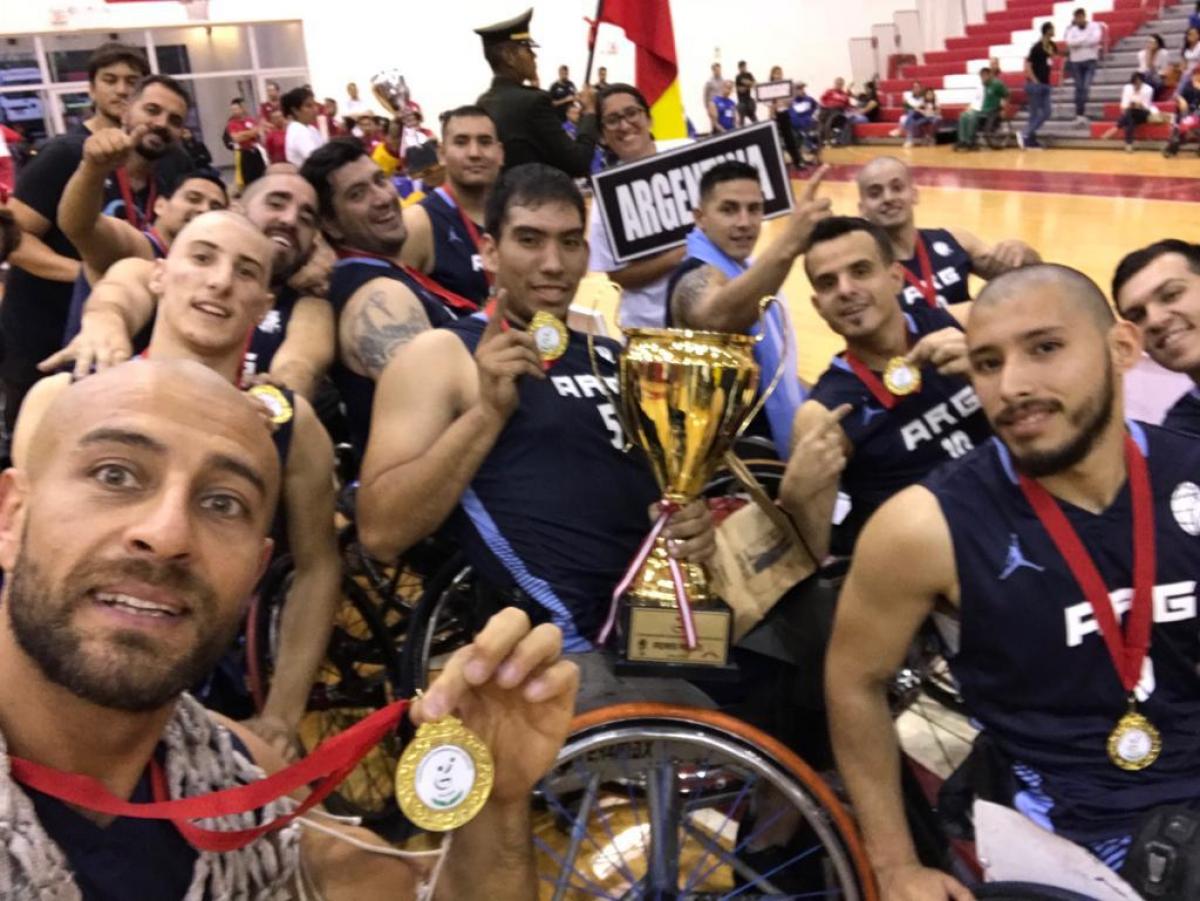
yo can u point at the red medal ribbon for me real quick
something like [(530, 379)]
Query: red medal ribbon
[(1128, 651), (444, 294), (471, 227), (327, 766), (924, 284), (132, 213), (886, 399)]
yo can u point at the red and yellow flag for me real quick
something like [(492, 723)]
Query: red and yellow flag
[(648, 24)]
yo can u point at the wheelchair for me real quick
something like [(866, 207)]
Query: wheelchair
[(997, 128)]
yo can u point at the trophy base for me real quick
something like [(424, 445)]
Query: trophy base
[(653, 642)]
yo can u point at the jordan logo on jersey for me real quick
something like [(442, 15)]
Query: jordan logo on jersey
[(1173, 602), (942, 279), (941, 419), (1017, 560)]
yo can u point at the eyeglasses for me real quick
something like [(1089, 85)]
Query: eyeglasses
[(631, 114)]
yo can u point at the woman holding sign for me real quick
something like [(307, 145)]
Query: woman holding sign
[(625, 130)]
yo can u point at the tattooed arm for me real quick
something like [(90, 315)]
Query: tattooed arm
[(380, 317)]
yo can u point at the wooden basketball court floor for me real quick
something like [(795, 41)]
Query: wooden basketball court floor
[(1083, 208)]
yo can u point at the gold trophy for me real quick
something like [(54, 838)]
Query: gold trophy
[(685, 396)]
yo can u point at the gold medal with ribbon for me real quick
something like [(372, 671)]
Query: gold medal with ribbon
[(549, 335), (901, 377), (1134, 742), (275, 401), (444, 776)]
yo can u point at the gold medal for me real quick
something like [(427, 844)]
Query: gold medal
[(901, 377), (275, 401), (1134, 742), (444, 776), (549, 335)]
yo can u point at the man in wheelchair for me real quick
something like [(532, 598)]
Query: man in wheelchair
[(521, 458), (1037, 539)]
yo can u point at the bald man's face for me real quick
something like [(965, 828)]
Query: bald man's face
[(213, 286), (134, 540), (1163, 300), (284, 208), (1045, 374), (886, 195)]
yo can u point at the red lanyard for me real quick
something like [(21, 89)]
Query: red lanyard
[(1128, 651), (132, 213), (924, 284), (472, 229), (872, 381), (327, 766), (442, 293)]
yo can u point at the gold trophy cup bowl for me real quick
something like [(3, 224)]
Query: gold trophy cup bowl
[(685, 396)]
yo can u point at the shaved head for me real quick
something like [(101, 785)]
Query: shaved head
[(1071, 285), (882, 167), (134, 533)]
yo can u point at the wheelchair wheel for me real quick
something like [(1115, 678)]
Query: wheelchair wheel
[(446, 618), (655, 801)]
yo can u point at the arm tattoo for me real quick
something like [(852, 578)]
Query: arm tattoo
[(379, 332), (690, 288)]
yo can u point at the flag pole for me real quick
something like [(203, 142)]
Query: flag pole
[(595, 27)]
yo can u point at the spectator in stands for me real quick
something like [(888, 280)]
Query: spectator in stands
[(781, 112), (275, 138), (988, 103), (369, 133), (1037, 86), (714, 85), (354, 105), (835, 106), (272, 103), (912, 99), (329, 123), (1083, 52), (601, 78), (1190, 53), (300, 107), (722, 110), (625, 129), (1187, 114), (563, 93), (747, 105), (922, 120), (242, 129), (803, 116), (867, 101), (1153, 60), (1137, 105), (1194, 18)]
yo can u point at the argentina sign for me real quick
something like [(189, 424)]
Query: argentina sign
[(646, 206)]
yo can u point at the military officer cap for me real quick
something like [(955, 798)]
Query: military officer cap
[(515, 29)]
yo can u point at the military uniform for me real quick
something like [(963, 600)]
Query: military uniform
[(526, 122)]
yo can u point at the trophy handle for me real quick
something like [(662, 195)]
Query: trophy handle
[(613, 401), (776, 378)]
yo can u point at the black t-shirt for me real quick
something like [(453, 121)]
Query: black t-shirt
[(744, 82), (1191, 96), (34, 313), (558, 91), (1039, 62)]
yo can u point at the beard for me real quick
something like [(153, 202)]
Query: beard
[(155, 152), (132, 672), (1090, 420)]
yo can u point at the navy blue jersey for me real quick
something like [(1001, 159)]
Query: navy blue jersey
[(128, 858), (358, 391), (457, 265), (1184, 415), (268, 335), (726, 111), (1032, 665), (951, 266), (895, 448), (82, 290), (559, 507)]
